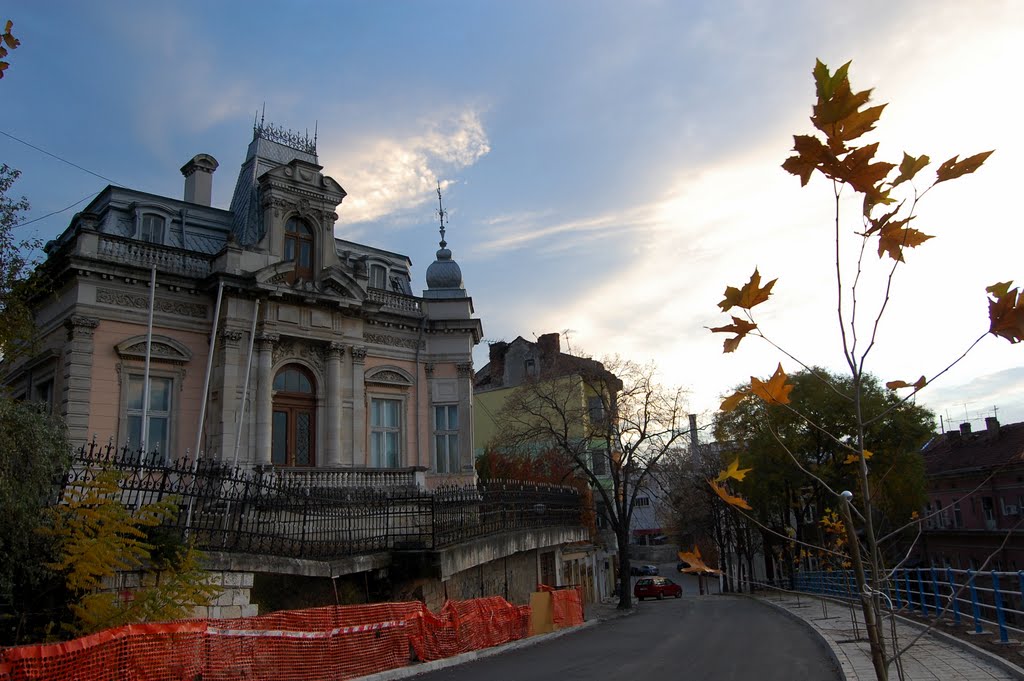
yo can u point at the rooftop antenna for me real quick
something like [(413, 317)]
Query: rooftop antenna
[(442, 214)]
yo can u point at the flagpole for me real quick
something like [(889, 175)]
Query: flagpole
[(245, 388), (144, 431), (209, 368)]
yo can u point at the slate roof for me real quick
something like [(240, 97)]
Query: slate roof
[(953, 452)]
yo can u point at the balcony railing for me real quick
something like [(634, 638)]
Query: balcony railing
[(394, 301), (367, 478), (142, 254)]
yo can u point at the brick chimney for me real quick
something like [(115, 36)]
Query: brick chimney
[(549, 345), (992, 425), (497, 362), (965, 429), (694, 440), (199, 179)]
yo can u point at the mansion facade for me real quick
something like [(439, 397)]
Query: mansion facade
[(273, 343)]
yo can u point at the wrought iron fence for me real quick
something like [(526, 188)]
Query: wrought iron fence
[(257, 511), (991, 598)]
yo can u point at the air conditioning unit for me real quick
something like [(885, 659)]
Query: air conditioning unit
[(1010, 509)]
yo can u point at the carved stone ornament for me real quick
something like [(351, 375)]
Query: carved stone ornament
[(290, 349), (428, 369), (179, 308), (267, 340), (335, 350), (358, 354), (389, 377), (464, 369), (395, 341), (80, 326), (162, 349), (231, 335)]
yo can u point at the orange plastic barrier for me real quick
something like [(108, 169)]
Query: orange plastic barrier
[(336, 642), (566, 607)]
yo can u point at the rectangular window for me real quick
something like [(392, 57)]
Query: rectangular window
[(643, 501), (42, 393), (378, 276), (446, 438), (595, 409), (385, 433), (958, 516), (598, 462), (158, 416), (152, 229)]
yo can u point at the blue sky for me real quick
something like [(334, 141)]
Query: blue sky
[(608, 167)]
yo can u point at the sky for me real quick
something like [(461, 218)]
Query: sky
[(608, 167)]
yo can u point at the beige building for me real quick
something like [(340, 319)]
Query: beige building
[(274, 343)]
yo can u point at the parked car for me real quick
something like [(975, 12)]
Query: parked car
[(643, 570), (656, 587)]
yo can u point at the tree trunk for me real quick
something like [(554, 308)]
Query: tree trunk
[(625, 595)]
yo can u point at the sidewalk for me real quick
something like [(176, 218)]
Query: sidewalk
[(934, 657)]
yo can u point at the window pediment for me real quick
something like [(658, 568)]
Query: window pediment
[(392, 376), (164, 349)]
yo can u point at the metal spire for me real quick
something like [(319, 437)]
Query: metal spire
[(442, 214)]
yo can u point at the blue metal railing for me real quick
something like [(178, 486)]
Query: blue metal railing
[(992, 598)]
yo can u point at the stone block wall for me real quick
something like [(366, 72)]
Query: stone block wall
[(231, 602)]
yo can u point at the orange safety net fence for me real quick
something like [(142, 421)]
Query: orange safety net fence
[(335, 642)]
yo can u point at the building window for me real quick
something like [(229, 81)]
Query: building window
[(385, 433), (158, 416), (378, 276), (293, 438), (598, 462), (446, 438), (988, 509), (643, 501), (152, 229), (42, 393), (298, 248), (958, 516)]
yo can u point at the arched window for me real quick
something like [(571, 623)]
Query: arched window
[(152, 228), (293, 442), (298, 248)]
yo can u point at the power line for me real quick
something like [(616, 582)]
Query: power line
[(43, 217), (62, 160)]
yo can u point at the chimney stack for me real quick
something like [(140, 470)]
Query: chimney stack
[(549, 346), (199, 179), (992, 425), (694, 441), (965, 429), (497, 361)]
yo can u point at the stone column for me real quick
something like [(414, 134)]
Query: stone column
[(222, 426), (465, 374), (360, 456), (77, 393), (332, 450), (265, 397)]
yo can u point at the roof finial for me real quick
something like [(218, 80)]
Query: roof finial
[(264, 114), (442, 214)]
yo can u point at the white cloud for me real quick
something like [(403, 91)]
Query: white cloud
[(390, 175)]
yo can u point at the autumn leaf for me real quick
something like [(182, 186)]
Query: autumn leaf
[(733, 401), (740, 327), (855, 458), (696, 562), (916, 385), (810, 155), (857, 170), (775, 390), (733, 471), (884, 220), (723, 493), (893, 238), (750, 295), (910, 167), (952, 169), (1006, 311)]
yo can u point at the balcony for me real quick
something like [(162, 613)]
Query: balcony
[(167, 259)]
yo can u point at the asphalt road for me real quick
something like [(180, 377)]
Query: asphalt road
[(711, 637)]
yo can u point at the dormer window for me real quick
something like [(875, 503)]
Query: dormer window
[(378, 276), (298, 248), (152, 229)]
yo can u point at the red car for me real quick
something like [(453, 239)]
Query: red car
[(656, 587)]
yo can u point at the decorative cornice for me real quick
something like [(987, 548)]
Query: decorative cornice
[(389, 377), (120, 299), (358, 354)]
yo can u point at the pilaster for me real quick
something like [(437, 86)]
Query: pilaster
[(77, 392), (464, 370), (359, 454), (333, 446), (265, 397)]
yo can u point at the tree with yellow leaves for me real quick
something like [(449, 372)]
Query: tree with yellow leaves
[(97, 537), (889, 197)]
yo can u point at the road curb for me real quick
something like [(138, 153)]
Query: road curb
[(823, 640), (424, 667)]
